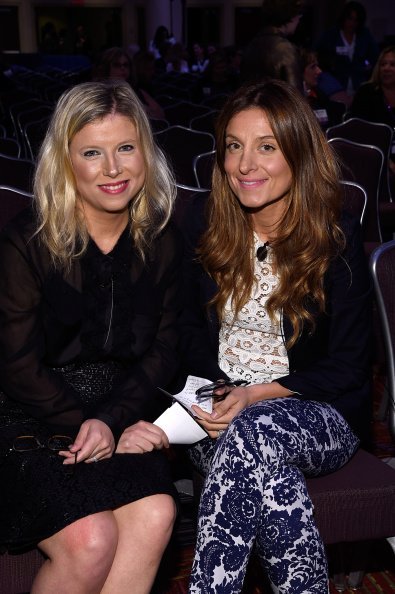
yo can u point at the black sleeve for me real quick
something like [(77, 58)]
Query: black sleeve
[(344, 364), (23, 375)]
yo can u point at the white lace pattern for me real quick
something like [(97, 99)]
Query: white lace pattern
[(251, 347)]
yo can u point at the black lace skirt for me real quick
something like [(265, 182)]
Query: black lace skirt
[(39, 496)]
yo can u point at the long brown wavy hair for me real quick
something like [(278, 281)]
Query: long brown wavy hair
[(308, 235)]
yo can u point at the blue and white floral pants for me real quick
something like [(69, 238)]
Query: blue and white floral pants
[(255, 494)]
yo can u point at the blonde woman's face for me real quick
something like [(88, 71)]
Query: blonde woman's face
[(387, 69), (108, 166), (256, 169)]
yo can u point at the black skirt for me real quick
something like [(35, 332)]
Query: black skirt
[(40, 496)]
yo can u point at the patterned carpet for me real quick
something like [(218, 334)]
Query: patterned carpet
[(174, 576)]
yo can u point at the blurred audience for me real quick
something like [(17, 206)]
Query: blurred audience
[(198, 61), (217, 78), (271, 54), (329, 112), (82, 42), (115, 63), (161, 39), (375, 100), (176, 58), (348, 49)]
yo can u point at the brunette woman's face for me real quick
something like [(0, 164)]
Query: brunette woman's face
[(108, 165), (311, 74), (256, 168), (387, 69)]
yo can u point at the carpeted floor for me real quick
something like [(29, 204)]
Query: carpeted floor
[(174, 576)]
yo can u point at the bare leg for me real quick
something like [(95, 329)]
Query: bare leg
[(79, 556), (144, 530)]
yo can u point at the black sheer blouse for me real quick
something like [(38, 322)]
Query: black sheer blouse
[(109, 307)]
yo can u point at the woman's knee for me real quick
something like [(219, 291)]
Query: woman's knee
[(88, 545), (162, 514)]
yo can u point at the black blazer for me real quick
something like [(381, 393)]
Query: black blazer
[(330, 365)]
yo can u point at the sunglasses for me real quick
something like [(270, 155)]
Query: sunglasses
[(226, 386)]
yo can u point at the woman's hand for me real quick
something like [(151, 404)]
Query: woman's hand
[(223, 411), (93, 443), (142, 437), (237, 400)]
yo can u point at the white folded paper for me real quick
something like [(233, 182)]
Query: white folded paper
[(180, 426), (177, 421)]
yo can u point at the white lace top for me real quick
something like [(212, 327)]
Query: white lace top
[(252, 347)]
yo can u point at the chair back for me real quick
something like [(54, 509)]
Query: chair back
[(17, 173), (16, 109), (181, 145), (184, 196), (34, 133), (355, 199), (382, 266), (10, 147), (183, 112), (203, 169), (363, 164), (365, 132), (205, 122), (215, 101), (158, 124), (12, 201), (27, 117)]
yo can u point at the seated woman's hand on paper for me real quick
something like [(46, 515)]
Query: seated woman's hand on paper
[(235, 401), (142, 437)]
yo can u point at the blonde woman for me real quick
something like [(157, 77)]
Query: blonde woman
[(88, 305), (279, 299)]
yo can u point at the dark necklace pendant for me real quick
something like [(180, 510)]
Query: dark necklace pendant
[(261, 252)]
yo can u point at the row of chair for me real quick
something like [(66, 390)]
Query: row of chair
[(192, 155)]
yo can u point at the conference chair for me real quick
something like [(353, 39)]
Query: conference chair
[(203, 168), (181, 145), (363, 164), (12, 201), (365, 132), (17, 173), (354, 199)]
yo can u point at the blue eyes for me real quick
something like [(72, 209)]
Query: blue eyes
[(125, 148)]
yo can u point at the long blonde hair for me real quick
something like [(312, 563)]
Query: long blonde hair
[(376, 77), (308, 235), (61, 227)]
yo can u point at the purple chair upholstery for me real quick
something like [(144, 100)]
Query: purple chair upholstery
[(357, 502), (17, 571)]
